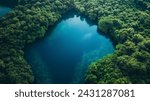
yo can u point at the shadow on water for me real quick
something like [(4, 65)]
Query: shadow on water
[(6, 7), (112, 38), (8, 3), (4, 11)]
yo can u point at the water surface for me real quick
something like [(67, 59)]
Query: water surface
[(4, 10), (64, 54)]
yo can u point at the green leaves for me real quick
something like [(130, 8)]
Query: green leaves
[(127, 22), (27, 22), (105, 71), (109, 24)]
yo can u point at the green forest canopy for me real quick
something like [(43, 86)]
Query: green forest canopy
[(126, 21)]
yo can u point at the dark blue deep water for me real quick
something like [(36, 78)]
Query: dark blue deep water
[(4, 10), (64, 54)]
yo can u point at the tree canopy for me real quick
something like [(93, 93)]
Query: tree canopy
[(126, 21)]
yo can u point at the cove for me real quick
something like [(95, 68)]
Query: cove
[(63, 56), (4, 10)]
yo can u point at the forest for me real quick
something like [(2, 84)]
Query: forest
[(127, 22)]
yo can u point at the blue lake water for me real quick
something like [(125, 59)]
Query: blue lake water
[(63, 56), (4, 10)]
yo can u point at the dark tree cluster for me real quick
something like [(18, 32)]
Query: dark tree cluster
[(28, 21), (128, 22)]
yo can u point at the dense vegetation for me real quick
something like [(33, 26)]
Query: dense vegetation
[(10, 3), (27, 22), (126, 21)]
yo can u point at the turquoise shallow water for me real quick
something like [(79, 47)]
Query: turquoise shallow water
[(4, 10), (63, 56)]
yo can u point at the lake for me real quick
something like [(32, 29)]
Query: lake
[(4, 10), (63, 56)]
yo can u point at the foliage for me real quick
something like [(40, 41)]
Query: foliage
[(126, 21), (27, 22)]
